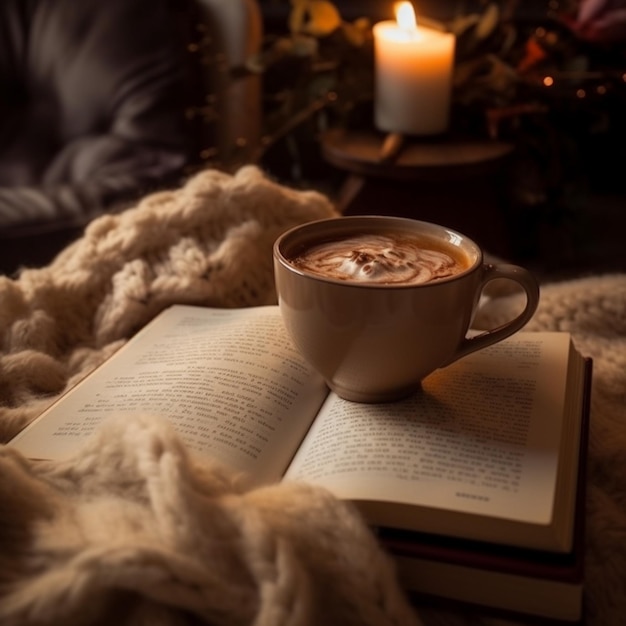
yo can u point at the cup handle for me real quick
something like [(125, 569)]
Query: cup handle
[(528, 283)]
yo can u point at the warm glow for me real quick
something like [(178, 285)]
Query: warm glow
[(405, 16), (413, 74)]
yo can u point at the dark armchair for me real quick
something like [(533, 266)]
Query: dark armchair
[(103, 102)]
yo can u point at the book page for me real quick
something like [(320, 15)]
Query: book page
[(229, 381), (482, 436)]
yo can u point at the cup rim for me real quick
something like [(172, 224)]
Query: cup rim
[(474, 249)]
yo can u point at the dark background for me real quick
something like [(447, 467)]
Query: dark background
[(564, 198)]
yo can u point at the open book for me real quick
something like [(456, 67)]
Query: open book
[(487, 450)]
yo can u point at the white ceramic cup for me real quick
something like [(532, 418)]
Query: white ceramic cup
[(376, 342)]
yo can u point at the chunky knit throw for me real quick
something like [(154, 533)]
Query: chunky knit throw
[(133, 531)]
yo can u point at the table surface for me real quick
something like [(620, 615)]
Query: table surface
[(371, 153)]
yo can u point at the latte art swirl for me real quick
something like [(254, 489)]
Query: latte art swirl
[(379, 259)]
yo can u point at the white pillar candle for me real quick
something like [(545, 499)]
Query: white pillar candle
[(413, 74)]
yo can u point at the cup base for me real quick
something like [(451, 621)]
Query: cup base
[(374, 397)]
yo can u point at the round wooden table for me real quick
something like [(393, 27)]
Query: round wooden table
[(370, 153), (454, 181)]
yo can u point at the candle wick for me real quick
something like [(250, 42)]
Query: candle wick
[(409, 32)]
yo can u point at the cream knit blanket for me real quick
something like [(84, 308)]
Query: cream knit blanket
[(133, 531)]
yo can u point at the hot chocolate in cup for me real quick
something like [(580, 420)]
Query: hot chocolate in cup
[(383, 258), (377, 303)]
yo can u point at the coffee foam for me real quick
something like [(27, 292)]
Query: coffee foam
[(380, 259)]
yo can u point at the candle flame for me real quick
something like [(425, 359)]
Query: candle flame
[(405, 16)]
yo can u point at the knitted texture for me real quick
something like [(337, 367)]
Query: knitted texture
[(209, 242), (134, 530)]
